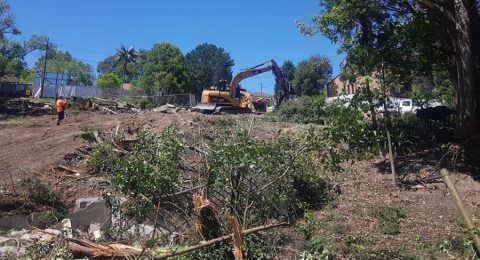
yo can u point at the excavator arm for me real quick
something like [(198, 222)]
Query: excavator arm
[(255, 71)]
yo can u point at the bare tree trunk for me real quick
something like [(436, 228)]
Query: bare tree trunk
[(466, 92)]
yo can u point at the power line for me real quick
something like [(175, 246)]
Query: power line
[(86, 49)]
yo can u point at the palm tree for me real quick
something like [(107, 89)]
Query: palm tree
[(126, 56)]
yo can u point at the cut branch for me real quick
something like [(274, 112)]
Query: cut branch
[(218, 240)]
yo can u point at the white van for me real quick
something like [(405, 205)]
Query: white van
[(409, 105)]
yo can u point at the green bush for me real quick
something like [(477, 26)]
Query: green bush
[(279, 176), (104, 159), (149, 170), (88, 133), (301, 110), (47, 218), (41, 193), (389, 218), (54, 249), (255, 246), (457, 245)]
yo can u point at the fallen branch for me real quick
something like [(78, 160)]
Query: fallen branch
[(217, 240), (461, 209), (107, 109), (85, 248), (65, 169), (82, 151)]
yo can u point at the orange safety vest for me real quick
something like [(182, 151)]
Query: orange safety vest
[(60, 105)]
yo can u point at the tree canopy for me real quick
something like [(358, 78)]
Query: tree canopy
[(59, 61), (312, 76), (12, 52), (112, 64), (288, 71), (127, 56), (404, 38), (164, 70), (109, 81), (208, 64)]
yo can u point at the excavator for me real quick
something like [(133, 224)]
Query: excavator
[(233, 99)]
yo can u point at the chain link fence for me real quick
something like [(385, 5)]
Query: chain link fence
[(182, 100), (9, 89)]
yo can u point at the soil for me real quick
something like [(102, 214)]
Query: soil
[(35, 146)]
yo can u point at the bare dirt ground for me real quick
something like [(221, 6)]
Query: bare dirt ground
[(430, 219), (34, 146)]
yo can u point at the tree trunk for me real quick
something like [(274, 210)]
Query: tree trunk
[(476, 45), (466, 94)]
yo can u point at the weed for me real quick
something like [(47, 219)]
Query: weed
[(356, 243), (54, 249), (104, 160), (47, 218), (310, 223), (385, 254), (389, 218), (88, 133), (341, 228), (358, 239), (318, 248), (255, 246), (460, 246), (41, 193)]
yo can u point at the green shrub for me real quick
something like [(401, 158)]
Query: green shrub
[(318, 248), (389, 218), (300, 110), (41, 193), (308, 226), (104, 159), (47, 218), (459, 246), (255, 246), (149, 170), (278, 176), (54, 249), (88, 133)]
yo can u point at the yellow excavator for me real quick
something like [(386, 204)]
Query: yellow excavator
[(233, 99)]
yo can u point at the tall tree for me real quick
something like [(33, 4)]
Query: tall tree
[(164, 70), (288, 71), (208, 64), (109, 81), (59, 61), (312, 76), (127, 56), (12, 52), (112, 64), (410, 35), (7, 23)]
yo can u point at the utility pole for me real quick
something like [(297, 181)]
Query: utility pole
[(261, 89), (42, 80)]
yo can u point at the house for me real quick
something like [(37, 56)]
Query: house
[(339, 86)]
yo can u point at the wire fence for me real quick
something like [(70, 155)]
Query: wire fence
[(9, 89), (183, 100)]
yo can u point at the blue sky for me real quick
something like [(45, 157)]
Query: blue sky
[(251, 31)]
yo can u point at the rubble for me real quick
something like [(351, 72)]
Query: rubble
[(109, 106), (94, 231), (166, 109)]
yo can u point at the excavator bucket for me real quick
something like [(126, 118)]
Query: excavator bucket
[(207, 108)]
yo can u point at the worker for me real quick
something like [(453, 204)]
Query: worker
[(61, 102)]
